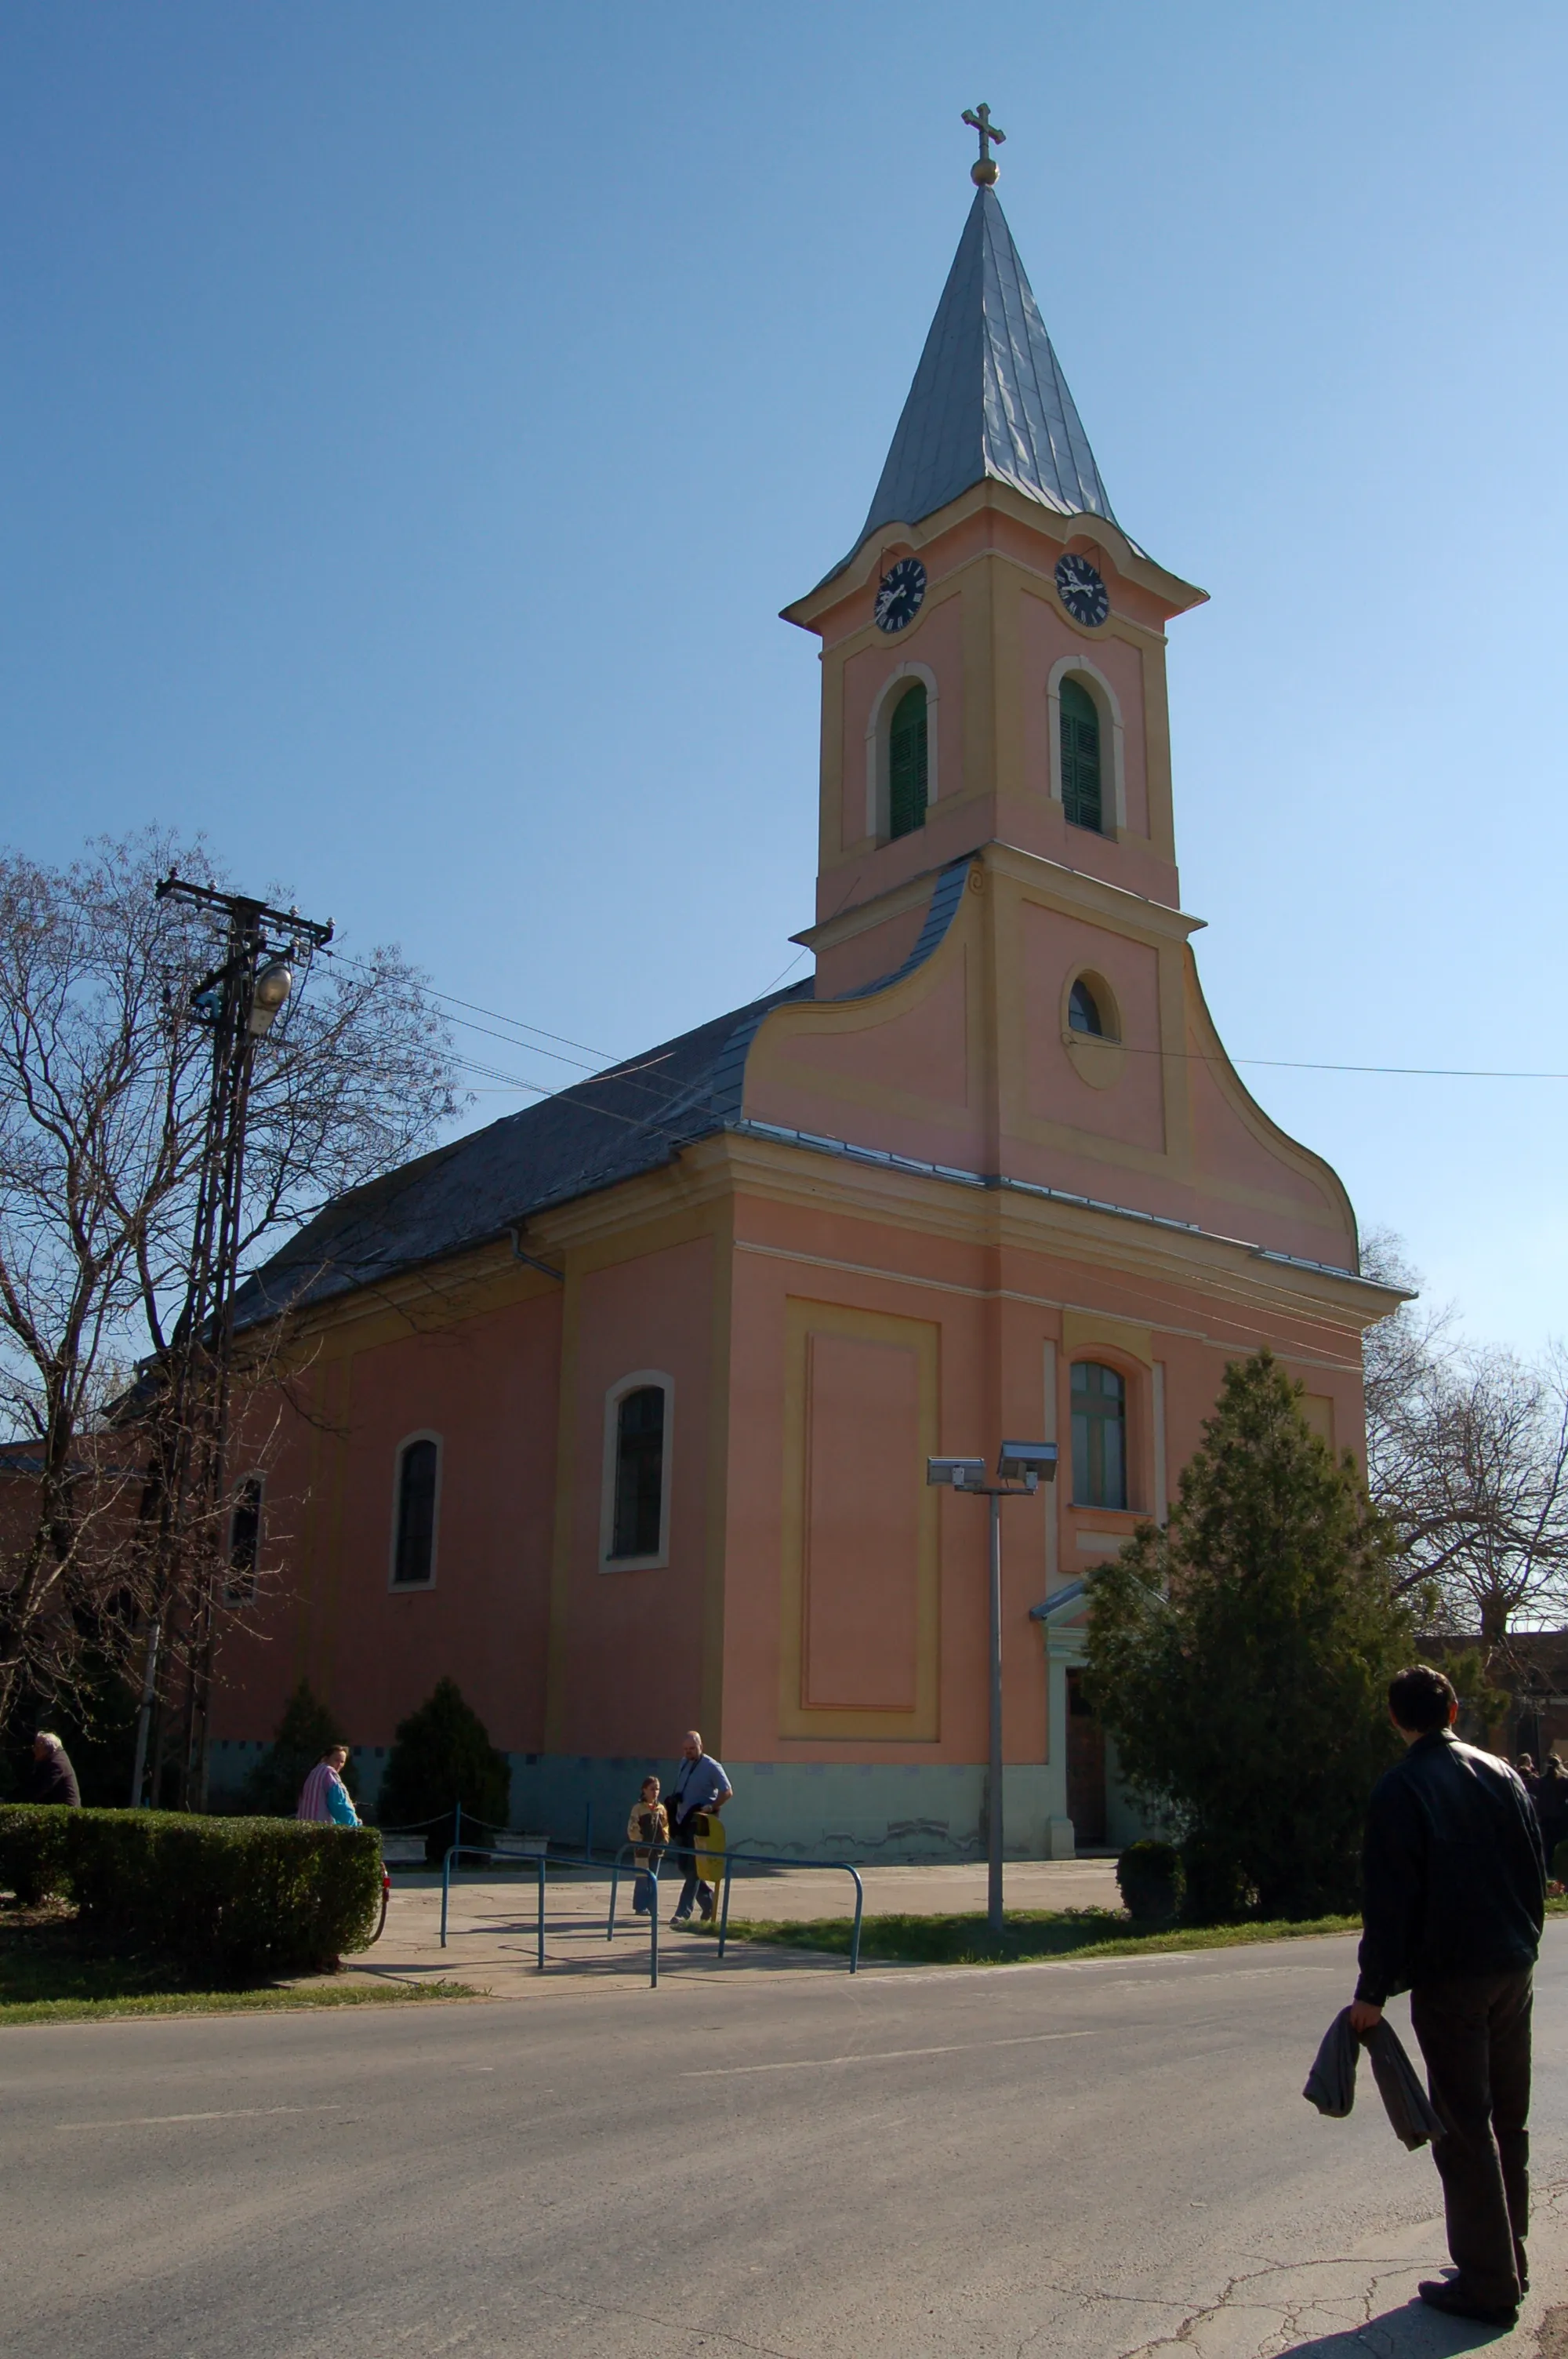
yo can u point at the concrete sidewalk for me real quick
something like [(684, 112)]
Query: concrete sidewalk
[(492, 1936), (494, 1919)]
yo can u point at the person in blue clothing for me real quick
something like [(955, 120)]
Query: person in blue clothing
[(324, 1798), (701, 1789)]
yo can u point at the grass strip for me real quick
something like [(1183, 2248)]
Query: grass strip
[(266, 2001), (48, 1975), (1030, 1934)]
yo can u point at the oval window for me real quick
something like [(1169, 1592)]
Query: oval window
[(1083, 1011)]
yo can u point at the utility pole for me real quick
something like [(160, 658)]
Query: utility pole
[(1021, 1466), (240, 1000)]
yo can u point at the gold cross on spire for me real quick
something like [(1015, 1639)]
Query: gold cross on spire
[(984, 173)]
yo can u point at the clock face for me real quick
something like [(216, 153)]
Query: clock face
[(900, 594), (1081, 592)]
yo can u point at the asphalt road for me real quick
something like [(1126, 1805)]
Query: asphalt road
[(1102, 2158)]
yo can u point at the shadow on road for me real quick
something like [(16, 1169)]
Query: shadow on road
[(1411, 2331)]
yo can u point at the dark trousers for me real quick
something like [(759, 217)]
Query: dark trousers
[(683, 1851), (1475, 2035)]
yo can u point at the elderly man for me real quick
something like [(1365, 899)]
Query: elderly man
[(53, 1780), (1455, 1893), (700, 1789)]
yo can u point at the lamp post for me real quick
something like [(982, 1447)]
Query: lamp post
[(1020, 1467)]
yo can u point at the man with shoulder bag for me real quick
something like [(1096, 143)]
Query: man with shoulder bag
[(700, 1791)]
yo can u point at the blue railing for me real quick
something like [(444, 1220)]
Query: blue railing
[(618, 1867)]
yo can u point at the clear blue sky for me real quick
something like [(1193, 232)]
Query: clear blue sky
[(414, 418)]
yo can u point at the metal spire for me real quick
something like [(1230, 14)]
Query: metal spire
[(989, 397)]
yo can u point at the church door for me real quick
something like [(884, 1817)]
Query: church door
[(1085, 1765)]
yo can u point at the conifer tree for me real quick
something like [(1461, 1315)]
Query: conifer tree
[(1240, 1658), (443, 1755), (305, 1730)]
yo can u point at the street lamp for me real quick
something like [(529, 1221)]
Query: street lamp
[(1020, 1467), (269, 997)]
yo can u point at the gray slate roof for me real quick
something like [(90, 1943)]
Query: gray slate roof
[(989, 397), (624, 1120), (627, 1120)]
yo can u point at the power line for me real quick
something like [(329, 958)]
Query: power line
[(609, 1072)]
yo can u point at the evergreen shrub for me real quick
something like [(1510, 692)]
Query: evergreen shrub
[(307, 1729), (228, 1898), (1241, 1658), (442, 1755), (1151, 1881)]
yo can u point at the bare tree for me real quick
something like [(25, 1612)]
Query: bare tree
[(1467, 1451), (103, 1081)]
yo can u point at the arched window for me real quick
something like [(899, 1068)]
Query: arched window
[(639, 1472), (244, 1542), (907, 762), (414, 1540), (1099, 1436), (1080, 754), (1082, 1010)]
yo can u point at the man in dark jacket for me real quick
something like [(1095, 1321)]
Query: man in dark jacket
[(53, 1778), (1455, 1898)]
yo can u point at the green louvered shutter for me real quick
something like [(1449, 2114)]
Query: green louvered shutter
[(1080, 756), (907, 763)]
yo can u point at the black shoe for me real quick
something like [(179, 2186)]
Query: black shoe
[(1446, 2294), (681, 1918), (707, 1908)]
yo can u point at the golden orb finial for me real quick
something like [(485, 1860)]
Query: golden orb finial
[(986, 173)]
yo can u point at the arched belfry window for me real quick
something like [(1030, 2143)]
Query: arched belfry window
[(414, 1527), (639, 1512), (908, 764), (1099, 1436), (1081, 797)]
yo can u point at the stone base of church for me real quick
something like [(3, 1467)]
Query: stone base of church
[(913, 1814)]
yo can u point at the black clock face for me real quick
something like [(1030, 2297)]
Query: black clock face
[(900, 594), (1081, 592)]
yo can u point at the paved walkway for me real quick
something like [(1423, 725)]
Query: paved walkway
[(493, 1926)]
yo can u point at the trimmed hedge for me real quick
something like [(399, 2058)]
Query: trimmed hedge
[(1153, 1880), (229, 1898)]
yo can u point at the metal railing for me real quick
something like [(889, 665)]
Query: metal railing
[(732, 1860), (541, 1864), (541, 1861)]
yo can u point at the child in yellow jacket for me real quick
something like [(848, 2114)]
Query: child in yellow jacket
[(649, 1828)]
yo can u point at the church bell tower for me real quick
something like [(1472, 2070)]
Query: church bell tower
[(993, 645)]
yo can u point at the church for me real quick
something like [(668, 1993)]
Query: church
[(618, 1410)]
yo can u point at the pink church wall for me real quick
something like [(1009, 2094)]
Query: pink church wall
[(1055, 949), (866, 957), (630, 1673), (997, 1312), (861, 1538), (489, 1388)]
